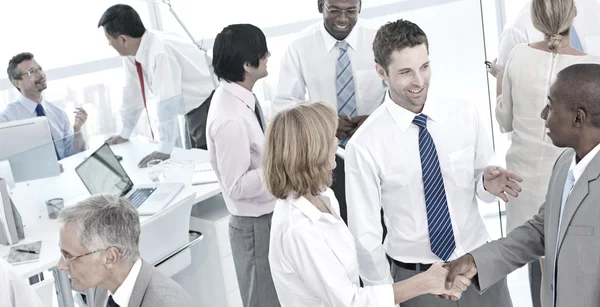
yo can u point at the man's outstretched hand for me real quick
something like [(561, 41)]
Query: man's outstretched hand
[(500, 182)]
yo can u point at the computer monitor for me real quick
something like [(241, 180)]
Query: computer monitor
[(27, 145)]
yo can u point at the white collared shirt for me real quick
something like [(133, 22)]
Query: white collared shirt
[(579, 168), (235, 144), (123, 293), (313, 258), (14, 290), (61, 128), (176, 74), (383, 169), (521, 30), (309, 65)]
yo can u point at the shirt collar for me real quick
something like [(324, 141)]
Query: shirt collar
[(308, 209), (240, 92), (140, 55), (330, 41), (123, 293), (404, 117), (579, 168), (29, 104)]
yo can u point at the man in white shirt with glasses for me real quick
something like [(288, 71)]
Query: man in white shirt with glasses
[(332, 61)]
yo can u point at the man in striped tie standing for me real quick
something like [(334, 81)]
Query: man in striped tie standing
[(424, 162)]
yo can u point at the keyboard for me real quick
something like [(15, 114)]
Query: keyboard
[(138, 196)]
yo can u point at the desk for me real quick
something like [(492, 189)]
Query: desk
[(29, 197)]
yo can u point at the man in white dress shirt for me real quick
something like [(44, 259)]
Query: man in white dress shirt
[(167, 66), (99, 244), (332, 61), (423, 162), (14, 291), (29, 78)]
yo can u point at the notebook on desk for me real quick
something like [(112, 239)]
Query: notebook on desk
[(24, 253), (203, 173)]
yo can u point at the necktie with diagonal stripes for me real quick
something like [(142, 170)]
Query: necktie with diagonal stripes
[(441, 235), (344, 82)]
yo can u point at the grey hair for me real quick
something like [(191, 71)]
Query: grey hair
[(104, 221), (553, 18)]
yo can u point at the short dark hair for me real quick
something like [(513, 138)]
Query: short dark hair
[(122, 19), (12, 70), (235, 45), (396, 35), (579, 89)]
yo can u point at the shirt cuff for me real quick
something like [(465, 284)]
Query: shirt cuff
[(126, 132), (483, 194), (385, 295), (165, 148)]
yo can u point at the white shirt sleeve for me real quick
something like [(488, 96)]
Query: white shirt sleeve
[(167, 90), (509, 39), (504, 103), (363, 194), (484, 156), (133, 104), (313, 260), (291, 87), (14, 291), (233, 155)]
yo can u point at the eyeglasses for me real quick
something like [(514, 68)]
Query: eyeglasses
[(69, 259), (33, 71), (338, 12)]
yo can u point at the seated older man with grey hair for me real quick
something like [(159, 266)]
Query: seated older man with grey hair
[(99, 242)]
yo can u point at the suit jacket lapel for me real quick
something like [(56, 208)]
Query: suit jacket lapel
[(141, 284), (580, 191), (553, 209)]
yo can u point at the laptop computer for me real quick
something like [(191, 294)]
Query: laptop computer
[(102, 173)]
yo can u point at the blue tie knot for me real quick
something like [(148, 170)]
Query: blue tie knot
[(421, 121), (39, 110), (343, 45)]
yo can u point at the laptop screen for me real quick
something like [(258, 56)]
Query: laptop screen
[(102, 173)]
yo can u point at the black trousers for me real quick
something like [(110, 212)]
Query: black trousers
[(339, 187), (196, 124), (535, 282)]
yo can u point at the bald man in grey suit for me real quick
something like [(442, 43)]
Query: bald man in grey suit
[(567, 228)]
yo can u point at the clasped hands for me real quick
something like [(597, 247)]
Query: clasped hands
[(437, 277)]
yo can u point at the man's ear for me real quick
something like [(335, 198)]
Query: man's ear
[(580, 117), (381, 72), (320, 3), (113, 255), (15, 83)]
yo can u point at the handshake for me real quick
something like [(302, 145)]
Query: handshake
[(457, 275)]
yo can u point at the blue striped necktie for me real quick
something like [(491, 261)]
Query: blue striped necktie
[(441, 236), (344, 82)]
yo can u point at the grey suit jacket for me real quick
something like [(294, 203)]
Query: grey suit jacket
[(578, 257), (152, 289)]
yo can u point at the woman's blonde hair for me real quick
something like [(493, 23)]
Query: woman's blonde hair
[(553, 18), (296, 152)]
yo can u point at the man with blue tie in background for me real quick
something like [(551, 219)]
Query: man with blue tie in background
[(29, 78), (424, 161), (332, 61)]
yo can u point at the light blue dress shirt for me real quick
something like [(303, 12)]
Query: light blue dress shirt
[(60, 126)]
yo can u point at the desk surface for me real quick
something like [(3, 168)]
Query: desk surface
[(29, 197)]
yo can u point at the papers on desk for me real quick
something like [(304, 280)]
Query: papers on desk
[(203, 173)]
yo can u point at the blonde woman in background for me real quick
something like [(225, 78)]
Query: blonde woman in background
[(313, 256), (522, 94)]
